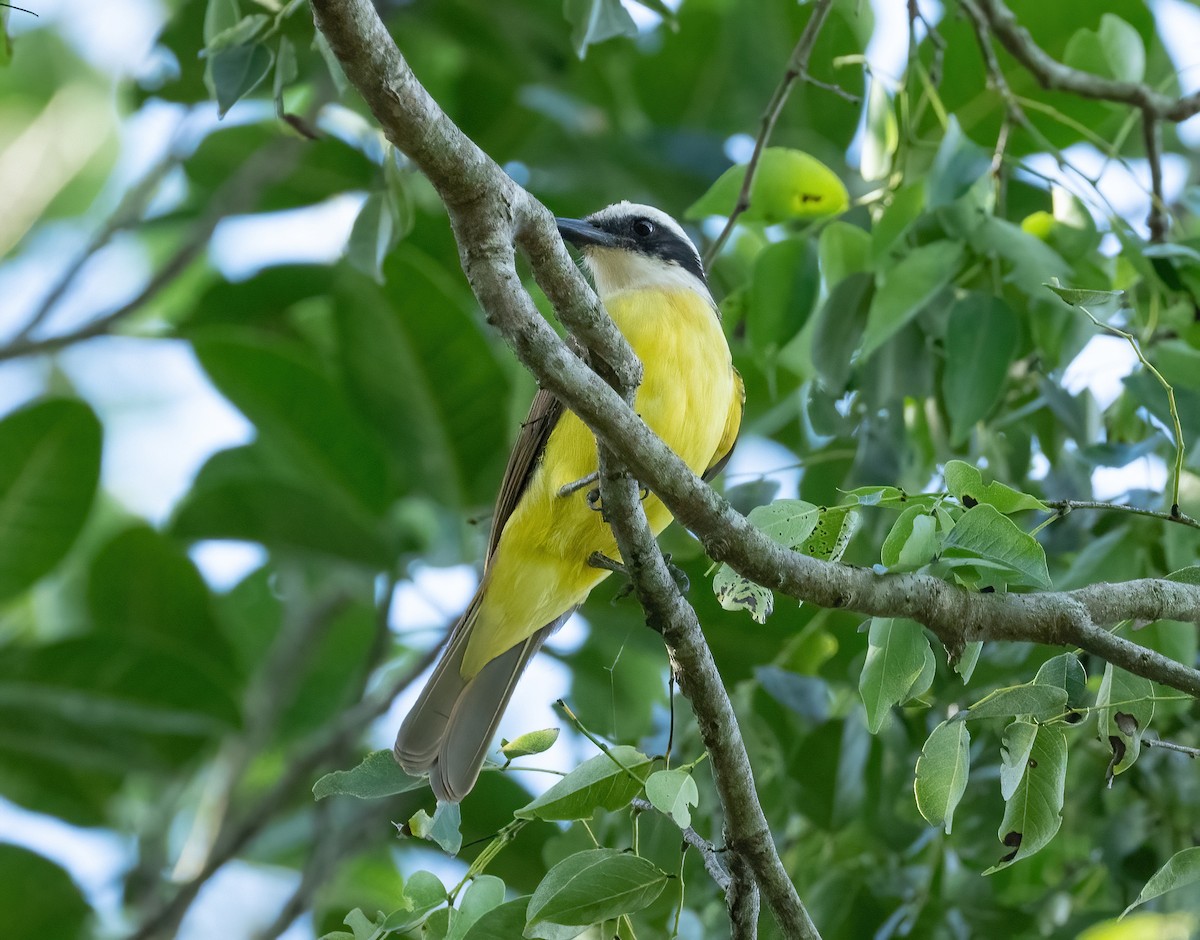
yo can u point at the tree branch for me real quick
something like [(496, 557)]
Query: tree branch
[(237, 192), (716, 868), (1055, 76), (797, 67), (747, 833), (484, 214), (1065, 506)]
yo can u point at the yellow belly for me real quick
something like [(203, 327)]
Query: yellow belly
[(540, 569)]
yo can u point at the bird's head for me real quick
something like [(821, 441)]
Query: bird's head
[(633, 247)]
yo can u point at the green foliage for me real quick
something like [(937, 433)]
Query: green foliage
[(904, 320)]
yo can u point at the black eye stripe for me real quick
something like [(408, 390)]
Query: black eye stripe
[(646, 236)]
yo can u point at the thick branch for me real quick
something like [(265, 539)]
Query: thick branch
[(1054, 75), (487, 209), (955, 615), (747, 833)]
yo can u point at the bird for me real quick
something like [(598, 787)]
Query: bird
[(545, 528)]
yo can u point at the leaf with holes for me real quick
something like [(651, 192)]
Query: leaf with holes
[(1032, 815), (1125, 704)]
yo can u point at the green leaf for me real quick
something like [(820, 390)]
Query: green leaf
[(1038, 701), (450, 438), (942, 771), (882, 133), (281, 515), (844, 249), (1066, 672), (839, 326), (912, 541), (1125, 706), (297, 410), (789, 185), (1115, 50), (506, 922), (236, 71), (965, 483), (373, 236), (240, 33), (981, 342), (423, 891), (672, 792), (906, 288), (789, 522), (966, 662), (958, 164), (897, 651), (485, 893), (1077, 297), (1032, 815), (832, 533), (1015, 750), (141, 583), (1188, 575), (219, 16), (983, 537), (39, 899), (1181, 869), (594, 21), (442, 827), (532, 742), (903, 210), (377, 776), (782, 293), (607, 781), (594, 886), (1030, 260), (48, 478), (286, 72)]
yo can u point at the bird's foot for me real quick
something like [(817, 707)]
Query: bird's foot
[(600, 560), (576, 485)]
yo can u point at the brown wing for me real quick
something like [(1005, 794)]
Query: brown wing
[(733, 424), (544, 413)]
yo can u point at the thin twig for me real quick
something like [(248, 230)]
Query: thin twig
[(1054, 75), (238, 192), (709, 853), (1180, 447), (1156, 221), (1065, 506), (1192, 752), (754, 862), (936, 39), (320, 747), (128, 211), (797, 67)]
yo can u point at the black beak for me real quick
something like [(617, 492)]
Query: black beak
[(580, 234)]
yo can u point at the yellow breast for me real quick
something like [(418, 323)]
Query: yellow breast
[(539, 569)]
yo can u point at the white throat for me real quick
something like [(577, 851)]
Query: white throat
[(615, 270)]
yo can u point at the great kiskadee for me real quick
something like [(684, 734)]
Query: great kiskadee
[(649, 276)]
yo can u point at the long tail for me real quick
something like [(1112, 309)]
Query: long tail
[(449, 730)]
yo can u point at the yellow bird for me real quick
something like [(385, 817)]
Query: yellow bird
[(649, 276)]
